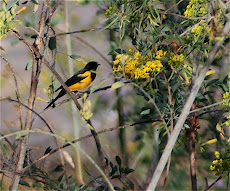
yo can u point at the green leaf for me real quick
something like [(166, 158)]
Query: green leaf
[(35, 2), (110, 24), (29, 65), (52, 43), (116, 52), (131, 185), (114, 170), (58, 168), (212, 82), (75, 56), (117, 85), (47, 150), (34, 36), (118, 159), (128, 170), (24, 183), (60, 177), (106, 161), (6, 148), (145, 112), (111, 164)]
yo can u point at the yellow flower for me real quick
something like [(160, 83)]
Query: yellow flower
[(130, 50), (135, 65), (197, 29), (176, 59), (226, 99), (155, 65), (221, 164), (196, 8), (202, 11), (228, 121), (217, 154), (137, 55), (141, 73), (214, 162), (212, 168), (160, 54), (226, 95)]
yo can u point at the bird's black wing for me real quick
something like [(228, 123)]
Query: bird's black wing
[(74, 79)]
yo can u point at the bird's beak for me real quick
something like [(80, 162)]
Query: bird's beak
[(98, 64)]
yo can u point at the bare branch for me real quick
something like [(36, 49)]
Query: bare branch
[(17, 89), (78, 31), (85, 137), (211, 185)]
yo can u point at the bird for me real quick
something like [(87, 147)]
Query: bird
[(78, 81)]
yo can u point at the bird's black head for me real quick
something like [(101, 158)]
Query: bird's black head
[(92, 65)]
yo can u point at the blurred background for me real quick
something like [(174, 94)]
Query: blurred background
[(110, 108)]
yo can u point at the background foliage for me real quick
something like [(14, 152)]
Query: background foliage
[(150, 53)]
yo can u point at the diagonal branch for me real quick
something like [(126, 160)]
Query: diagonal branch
[(85, 137)]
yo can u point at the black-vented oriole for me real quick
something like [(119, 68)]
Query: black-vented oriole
[(78, 81)]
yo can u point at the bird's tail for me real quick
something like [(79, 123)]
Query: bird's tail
[(61, 93)]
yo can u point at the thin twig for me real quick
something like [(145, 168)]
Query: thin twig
[(184, 17), (93, 48), (32, 110), (173, 6), (78, 31), (85, 137), (154, 105), (17, 89), (211, 185)]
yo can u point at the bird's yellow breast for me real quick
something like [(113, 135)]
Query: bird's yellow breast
[(83, 83)]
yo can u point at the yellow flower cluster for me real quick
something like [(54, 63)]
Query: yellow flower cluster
[(160, 54), (200, 27), (228, 121), (196, 8), (176, 59), (136, 66), (197, 29), (220, 166), (226, 99)]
